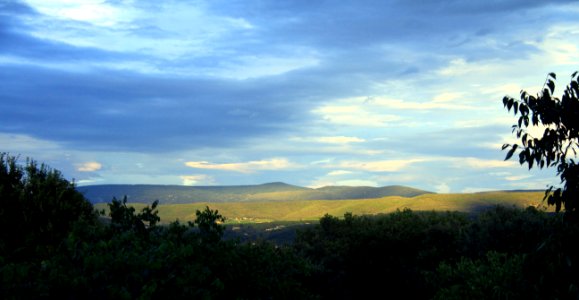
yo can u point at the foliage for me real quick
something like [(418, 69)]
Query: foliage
[(123, 217), (397, 246), (500, 253), (41, 204), (60, 250), (209, 225), (495, 276), (508, 230), (558, 118)]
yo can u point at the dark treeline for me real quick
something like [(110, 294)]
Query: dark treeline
[(53, 244)]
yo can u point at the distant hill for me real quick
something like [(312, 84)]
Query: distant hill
[(312, 210), (268, 192)]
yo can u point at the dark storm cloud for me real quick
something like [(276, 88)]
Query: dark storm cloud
[(128, 111)]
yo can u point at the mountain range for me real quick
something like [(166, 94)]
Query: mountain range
[(268, 192)]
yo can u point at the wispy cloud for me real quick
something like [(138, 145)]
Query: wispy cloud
[(339, 173), (517, 177), (330, 139), (376, 166), (477, 163), (245, 167), (441, 101), (355, 116)]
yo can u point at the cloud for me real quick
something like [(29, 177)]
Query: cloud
[(89, 166), (16, 143), (517, 177), (357, 182), (318, 183), (477, 163), (470, 190), (197, 179), (339, 139), (355, 116), (440, 101), (138, 112), (442, 188), (377, 166), (330, 139), (95, 12), (245, 167), (447, 96), (460, 67), (151, 82), (339, 173)]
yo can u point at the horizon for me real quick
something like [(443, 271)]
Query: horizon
[(310, 94), (314, 188)]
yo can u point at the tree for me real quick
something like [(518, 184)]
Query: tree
[(558, 119), (123, 217), (209, 225), (38, 207)]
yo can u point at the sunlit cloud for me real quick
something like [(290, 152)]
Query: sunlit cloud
[(339, 173), (533, 183), (561, 44), (245, 167), (89, 166), (197, 179), (478, 163), (398, 104), (517, 177), (447, 96), (96, 12)]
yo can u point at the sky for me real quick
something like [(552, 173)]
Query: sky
[(311, 93)]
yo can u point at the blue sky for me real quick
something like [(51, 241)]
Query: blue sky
[(311, 93)]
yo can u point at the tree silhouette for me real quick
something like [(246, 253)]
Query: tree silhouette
[(38, 207), (558, 118), (208, 222)]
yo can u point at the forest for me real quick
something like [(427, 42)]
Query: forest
[(55, 244)]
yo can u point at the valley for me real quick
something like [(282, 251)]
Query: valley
[(239, 212)]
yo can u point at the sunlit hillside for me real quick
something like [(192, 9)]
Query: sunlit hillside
[(252, 212), (275, 191)]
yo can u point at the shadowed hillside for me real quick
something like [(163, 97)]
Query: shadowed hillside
[(277, 191)]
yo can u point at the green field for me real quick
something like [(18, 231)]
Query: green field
[(307, 210)]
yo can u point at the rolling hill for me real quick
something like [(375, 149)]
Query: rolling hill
[(269, 192), (312, 210)]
